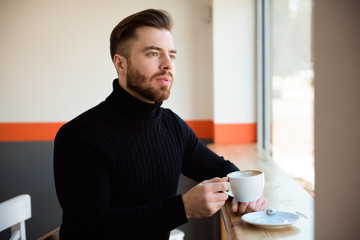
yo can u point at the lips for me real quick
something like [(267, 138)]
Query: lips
[(165, 80)]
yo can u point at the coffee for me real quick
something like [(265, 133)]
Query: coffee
[(245, 173)]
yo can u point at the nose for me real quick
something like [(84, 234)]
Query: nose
[(167, 64)]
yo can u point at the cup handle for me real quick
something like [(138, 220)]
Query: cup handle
[(229, 192)]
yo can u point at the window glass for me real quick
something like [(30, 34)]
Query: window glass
[(292, 89)]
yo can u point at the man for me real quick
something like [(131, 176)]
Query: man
[(117, 166)]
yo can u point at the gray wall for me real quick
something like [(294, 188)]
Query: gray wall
[(26, 167), (337, 118)]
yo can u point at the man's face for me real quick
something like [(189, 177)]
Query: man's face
[(151, 65)]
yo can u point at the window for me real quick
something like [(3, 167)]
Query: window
[(287, 87)]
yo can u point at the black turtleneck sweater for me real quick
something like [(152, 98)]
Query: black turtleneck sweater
[(117, 168)]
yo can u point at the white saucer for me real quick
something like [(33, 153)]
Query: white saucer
[(278, 220)]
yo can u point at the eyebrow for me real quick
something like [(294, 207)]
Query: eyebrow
[(158, 49)]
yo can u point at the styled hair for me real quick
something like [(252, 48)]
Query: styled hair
[(126, 29)]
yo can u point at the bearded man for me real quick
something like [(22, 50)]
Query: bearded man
[(117, 166)]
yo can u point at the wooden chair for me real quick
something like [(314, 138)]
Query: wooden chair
[(53, 235), (13, 213), (176, 234)]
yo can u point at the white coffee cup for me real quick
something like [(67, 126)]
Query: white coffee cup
[(246, 185)]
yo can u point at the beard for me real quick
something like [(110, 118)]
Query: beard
[(140, 84)]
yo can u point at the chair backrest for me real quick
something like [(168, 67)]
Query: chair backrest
[(13, 213)]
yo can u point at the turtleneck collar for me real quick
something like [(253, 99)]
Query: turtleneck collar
[(126, 105)]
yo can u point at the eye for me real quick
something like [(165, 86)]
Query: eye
[(152, 54), (173, 57)]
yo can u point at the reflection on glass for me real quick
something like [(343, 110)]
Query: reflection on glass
[(292, 89)]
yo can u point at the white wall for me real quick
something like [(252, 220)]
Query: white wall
[(55, 60), (234, 61), (337, 118)]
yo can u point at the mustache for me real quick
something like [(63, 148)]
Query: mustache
[(163, 73)]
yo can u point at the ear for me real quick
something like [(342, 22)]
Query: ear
[(120, 64)]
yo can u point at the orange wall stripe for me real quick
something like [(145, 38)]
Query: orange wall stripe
[(19, 132), (235, 133), (221, 133), (202, 128)]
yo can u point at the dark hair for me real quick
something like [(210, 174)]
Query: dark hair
[(125, 30)]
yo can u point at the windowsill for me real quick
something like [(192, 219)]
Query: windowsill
[(281, 190)]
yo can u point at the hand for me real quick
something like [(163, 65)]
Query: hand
[(247, 207), (206, 198)]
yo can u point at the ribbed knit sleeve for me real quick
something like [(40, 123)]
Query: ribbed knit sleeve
[(199, 162)]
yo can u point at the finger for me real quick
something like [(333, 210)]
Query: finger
[(224, 179), (242, 207), (250, 207), (216, 207), (234, 205), (264, 204), (216, 187), (260, 204), (221, 197), (221, 204), (213, 180), (216, 179), (217, 197)]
